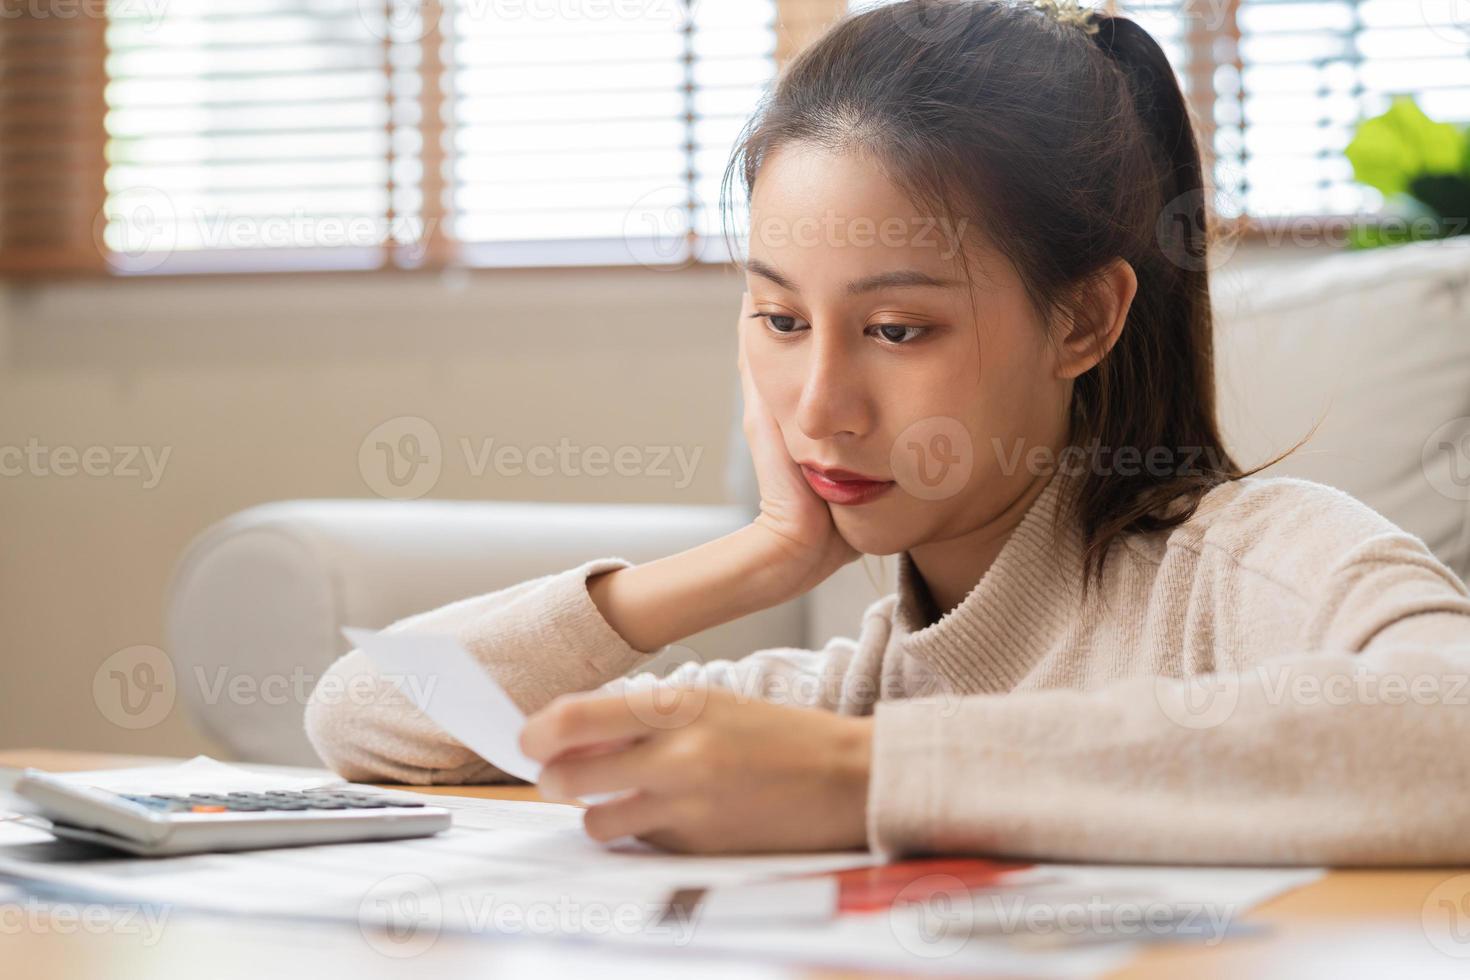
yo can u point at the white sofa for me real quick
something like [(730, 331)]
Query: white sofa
[(1375, 344)]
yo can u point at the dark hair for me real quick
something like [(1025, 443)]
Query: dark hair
[(1067, 149)]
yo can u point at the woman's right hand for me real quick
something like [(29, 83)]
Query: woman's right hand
[(799, 522)]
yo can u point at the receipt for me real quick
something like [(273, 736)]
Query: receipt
[(444, 682)]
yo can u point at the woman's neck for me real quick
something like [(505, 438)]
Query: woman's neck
[(952, 567)]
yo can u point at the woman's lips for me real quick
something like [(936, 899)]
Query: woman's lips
[(844, 491)]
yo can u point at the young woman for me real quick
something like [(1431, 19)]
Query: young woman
[(977, 335)]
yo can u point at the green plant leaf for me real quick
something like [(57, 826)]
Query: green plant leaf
[(1389, 151)]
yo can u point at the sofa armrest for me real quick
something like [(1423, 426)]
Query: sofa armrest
[(256, 602)]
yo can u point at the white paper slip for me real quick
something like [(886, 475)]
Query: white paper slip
[(444, 682)]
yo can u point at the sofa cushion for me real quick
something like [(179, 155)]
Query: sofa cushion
[(1375, 346)]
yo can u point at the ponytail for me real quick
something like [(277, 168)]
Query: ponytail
[(1168, 344), (1184, 225)]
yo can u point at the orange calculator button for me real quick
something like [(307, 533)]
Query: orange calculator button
[(208, 809)]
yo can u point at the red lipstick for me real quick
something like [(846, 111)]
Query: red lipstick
[(845, 487)]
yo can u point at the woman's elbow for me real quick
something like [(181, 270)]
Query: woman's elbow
[(365, 730)]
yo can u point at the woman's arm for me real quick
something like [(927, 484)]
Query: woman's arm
[(539, 639), (661, 602), (1342, 755)]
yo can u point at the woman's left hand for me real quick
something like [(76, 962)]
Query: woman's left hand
[(709, 770)]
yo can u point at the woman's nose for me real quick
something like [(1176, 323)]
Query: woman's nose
[(832, 400)]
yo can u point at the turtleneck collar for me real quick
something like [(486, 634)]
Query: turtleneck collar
[(1024, 601)]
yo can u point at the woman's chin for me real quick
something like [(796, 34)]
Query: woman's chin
[(871, 537)]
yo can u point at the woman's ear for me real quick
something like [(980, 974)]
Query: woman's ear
[(1106, 298)]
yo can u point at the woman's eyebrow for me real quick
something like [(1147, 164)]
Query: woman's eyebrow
[(882, 280)]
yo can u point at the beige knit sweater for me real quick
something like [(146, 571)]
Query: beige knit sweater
[(1331, 727)]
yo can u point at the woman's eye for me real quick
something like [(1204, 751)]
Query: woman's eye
[(893, 334), (897, 334), (780, 324)]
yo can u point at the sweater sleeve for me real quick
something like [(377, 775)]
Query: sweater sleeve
[(1346, 749), (538, 639)]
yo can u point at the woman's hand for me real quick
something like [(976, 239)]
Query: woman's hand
[(799, 521), (709, 771)]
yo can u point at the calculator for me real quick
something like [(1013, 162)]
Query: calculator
[(174, 823)]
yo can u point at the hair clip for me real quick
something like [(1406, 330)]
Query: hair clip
[(1069, 12)]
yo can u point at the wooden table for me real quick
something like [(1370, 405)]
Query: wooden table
[(1371, 924)]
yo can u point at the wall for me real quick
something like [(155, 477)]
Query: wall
[(263, 389)]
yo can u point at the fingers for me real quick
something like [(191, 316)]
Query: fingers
[(635, 766), (632, 815), (577, 721)]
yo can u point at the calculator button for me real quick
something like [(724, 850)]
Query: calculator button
[(208, 809)]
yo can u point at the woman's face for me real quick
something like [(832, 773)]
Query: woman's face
[(950, 390)]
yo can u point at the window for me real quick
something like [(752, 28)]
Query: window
[(223, 135), (1278, 86), (228, 135)]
